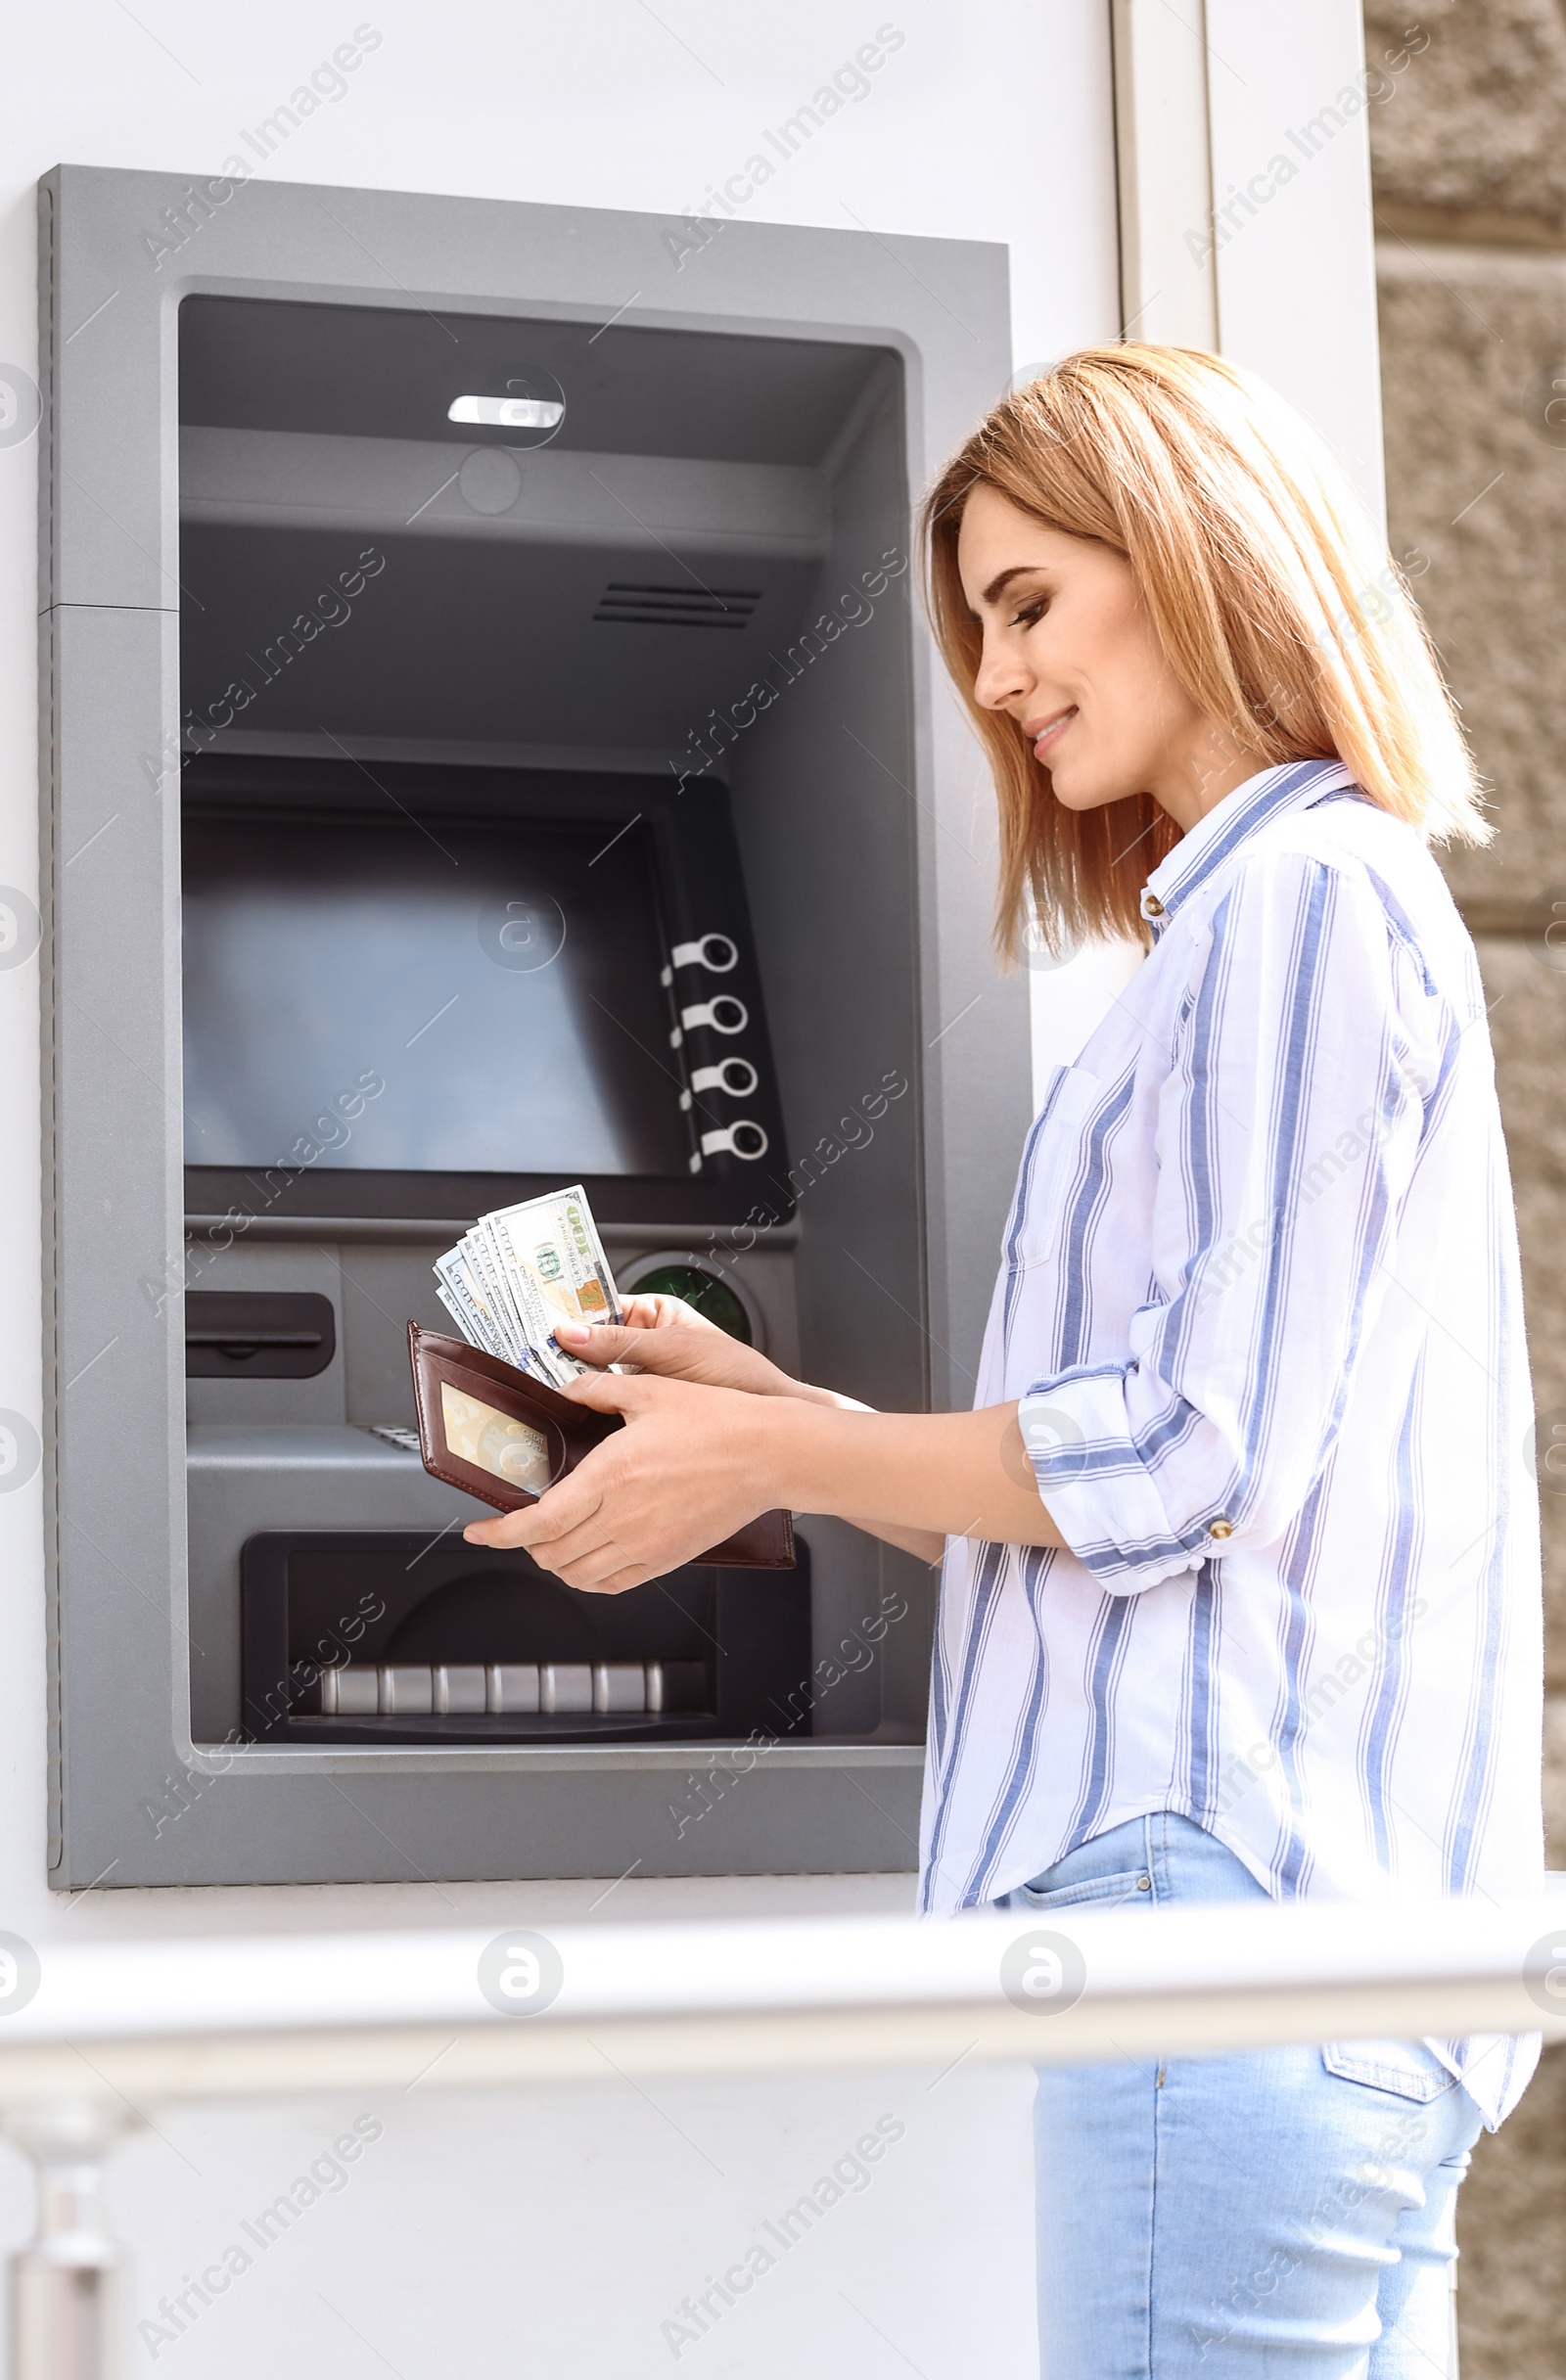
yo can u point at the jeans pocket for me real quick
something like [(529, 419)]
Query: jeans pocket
[(1407, 2069), (1126, 1885)]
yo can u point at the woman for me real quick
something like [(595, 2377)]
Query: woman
[(1241, 1576)]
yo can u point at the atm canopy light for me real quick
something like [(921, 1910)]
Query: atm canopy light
[(506, 412)]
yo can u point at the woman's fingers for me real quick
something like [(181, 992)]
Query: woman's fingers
[(709, 1357), (580, 1553), (608, 1393), (565, 1531), (676, 1350), (569, 1543), (604, 1343), (499, 1533), (672, 1350), (584, 1547), (605, 1572), (623, 1582), (689, 1467), (661, 1312), (575, 1540), (583, 1561), (559, 1510)]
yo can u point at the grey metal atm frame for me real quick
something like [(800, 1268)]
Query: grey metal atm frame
[(135, 1798)]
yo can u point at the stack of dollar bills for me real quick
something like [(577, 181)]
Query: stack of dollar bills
[(520, 1271)]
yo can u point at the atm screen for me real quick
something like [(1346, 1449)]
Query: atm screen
[(427, 995)]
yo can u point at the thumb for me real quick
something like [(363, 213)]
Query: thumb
[(607, 1391), (677, 1354), (600, 1342)]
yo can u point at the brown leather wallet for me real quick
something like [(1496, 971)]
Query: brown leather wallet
[(491, 1430)]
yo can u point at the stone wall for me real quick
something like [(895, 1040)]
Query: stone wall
[(1468, 152)]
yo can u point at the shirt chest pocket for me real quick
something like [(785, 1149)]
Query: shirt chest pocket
[(1059, 1158)]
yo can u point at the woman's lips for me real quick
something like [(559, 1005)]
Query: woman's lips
[(1046, 734)]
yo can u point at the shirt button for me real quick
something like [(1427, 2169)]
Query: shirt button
[(1220, 1529), (1152, 906), (1144, 1884)]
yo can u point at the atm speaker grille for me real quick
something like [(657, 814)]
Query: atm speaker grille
[(689, 607)]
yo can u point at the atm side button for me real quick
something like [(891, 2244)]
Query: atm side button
[(716, 953), (512, 1685)]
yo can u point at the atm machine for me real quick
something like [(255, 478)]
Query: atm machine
[(491, 744)]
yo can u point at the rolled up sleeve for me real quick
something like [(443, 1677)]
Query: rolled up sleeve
[(1288, 1127)]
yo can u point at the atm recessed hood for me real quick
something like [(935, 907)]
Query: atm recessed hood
[(311, 480), (644, 560), (359, 371)]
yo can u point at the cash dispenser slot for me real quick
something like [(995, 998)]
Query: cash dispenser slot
[(381, 1638)]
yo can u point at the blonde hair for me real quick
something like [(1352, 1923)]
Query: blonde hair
[(1277, 604)]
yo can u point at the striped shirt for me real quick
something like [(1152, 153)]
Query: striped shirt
[(1260, 1303)]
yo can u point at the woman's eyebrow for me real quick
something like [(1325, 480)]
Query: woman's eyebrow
[(997, 586)]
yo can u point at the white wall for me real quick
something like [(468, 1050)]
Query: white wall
[(1289, 272), (1296, 267), (561, 2231)]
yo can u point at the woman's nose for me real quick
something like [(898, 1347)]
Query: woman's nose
[(1000, 679)]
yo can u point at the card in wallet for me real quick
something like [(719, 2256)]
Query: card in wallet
[(491, 1430)]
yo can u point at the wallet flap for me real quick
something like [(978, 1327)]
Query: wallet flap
[(499, 1435), (485, 1428)]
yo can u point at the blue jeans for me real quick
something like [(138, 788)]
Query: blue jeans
[(1287, 2211)]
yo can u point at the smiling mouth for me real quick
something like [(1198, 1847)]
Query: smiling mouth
[(1046, 734)]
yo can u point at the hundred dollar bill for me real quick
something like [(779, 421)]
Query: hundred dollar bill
[(551, 1247), (464, 1298), (526, 1319), (523, 1316), (467, 1290), (480, 1265), (522, 1269), (460, 1315)]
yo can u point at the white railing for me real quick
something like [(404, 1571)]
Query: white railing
[(99, 2030)]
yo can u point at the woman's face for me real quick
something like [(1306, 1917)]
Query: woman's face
[(1071, 654)]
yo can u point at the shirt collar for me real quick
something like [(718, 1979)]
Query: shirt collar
[(1231, 823)]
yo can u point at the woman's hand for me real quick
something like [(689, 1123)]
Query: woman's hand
[(695, 1463), (691, 1466), (666, 1336)]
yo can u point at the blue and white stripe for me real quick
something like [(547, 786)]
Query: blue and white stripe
[(1260, 1304)]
